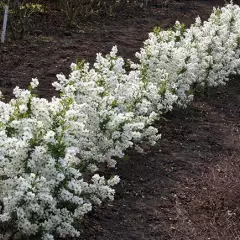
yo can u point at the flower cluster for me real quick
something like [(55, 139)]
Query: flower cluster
[(43, 187), (203, 55), (51, 151)]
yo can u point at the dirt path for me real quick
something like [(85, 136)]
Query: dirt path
[(187, 186)]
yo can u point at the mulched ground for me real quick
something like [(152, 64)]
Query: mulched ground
[(187, 186)]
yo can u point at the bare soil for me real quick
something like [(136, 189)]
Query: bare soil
[(185, 187)]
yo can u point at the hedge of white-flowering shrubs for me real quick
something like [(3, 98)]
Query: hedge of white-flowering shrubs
[(50, 151)]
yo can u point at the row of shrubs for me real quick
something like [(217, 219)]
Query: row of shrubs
[(51, 151)]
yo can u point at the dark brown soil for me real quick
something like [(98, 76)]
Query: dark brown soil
[(187, 186)]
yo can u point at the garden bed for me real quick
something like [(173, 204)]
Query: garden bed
[(185, 187)]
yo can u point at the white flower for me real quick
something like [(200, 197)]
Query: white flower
[(34, 83), (23, 108), (113, 181)]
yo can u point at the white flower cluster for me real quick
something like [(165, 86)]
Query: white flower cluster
[(43, 189), (203, 55), (51, 151)]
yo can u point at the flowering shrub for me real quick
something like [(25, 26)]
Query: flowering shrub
[(50, 151), (202, 55)]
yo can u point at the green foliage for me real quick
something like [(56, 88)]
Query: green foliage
[(157, 30)]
